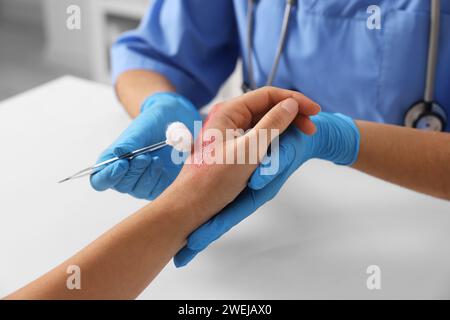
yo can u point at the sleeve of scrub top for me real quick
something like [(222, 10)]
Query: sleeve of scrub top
[(194, 43)]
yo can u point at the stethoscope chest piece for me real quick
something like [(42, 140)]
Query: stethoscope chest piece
[(428, 116)]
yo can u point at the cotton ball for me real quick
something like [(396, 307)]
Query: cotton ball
[(179, 137)]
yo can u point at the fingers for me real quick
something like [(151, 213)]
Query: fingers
[(123, 148), (149, 184), (274, 122), (280, 116), (144, 177), (305, 124), (136, 169), (259, 180), (260, 101), (109, 176), (184, 256), (147, 181)]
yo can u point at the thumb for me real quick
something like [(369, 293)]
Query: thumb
[(275, 122), (123, 148)]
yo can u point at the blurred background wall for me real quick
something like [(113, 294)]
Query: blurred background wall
[(36, 46), (22, 10)]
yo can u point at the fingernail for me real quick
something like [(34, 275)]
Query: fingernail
[(290, 105)]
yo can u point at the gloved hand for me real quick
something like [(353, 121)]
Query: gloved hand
[(147, 175), (337, 140)]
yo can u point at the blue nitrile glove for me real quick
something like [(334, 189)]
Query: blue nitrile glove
[(337, 140), (147, 175)]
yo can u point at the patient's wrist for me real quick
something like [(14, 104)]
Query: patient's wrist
[(183, 207)]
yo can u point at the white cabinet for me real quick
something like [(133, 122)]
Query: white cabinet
[(69, 48), (87, 49), (102, 21), (21, 11), (112, 18)]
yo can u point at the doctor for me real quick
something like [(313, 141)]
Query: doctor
[(397, 73)]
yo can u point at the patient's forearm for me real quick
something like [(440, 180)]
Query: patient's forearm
[(412, 158), (121, 263), (133, 87)]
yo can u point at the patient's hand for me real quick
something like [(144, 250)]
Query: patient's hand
[(211, 186)]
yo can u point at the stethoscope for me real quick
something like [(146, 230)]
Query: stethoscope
[(426, 114)]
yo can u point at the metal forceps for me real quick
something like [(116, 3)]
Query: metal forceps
[(130, 155)]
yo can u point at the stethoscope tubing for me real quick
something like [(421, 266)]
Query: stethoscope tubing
[(280, 47), (433, 48)]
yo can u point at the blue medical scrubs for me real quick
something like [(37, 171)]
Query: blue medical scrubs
[(330, 54)]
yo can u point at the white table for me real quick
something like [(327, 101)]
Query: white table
[(315, 240)]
